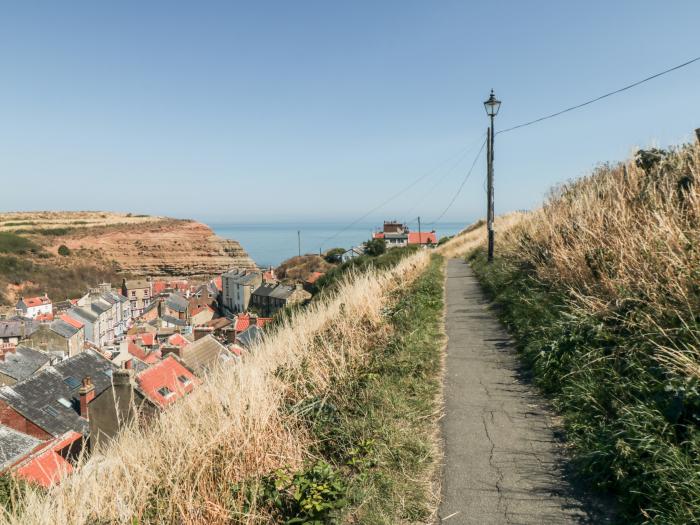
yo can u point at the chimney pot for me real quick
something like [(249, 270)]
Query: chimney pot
[(87, 394)]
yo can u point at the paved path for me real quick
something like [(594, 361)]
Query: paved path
[(502, 458)]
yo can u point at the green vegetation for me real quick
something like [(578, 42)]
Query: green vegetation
[(375, 430), (600, 290), (63, 250), (375, 247), (334, 276), (333, 255), (49, 232), (12, 243), (60, 283)]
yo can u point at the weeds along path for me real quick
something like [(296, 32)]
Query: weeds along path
[(503, 462), (202, 458)]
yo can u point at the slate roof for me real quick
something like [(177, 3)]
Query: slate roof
[(82, 314), (177, 302), (151, 306), (204, 355), (136, 284), (264, 290), (63, 328), (173, 320), (246, 279), (13, 328), (23, 362), (100, 306), (50, 398), (249, 337), (282, 291), (14, 445)]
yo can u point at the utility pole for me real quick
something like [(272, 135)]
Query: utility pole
[(420, 237), (492, 106), (299, 241)]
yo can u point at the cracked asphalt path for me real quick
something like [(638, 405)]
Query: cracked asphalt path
[(503, 462)]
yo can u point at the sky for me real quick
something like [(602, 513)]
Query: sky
[(320, 111)]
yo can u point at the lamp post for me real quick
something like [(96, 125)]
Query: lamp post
[(492, 105)]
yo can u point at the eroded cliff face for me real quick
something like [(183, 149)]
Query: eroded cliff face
[(159, 248)]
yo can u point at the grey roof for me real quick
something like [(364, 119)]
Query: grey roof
[(264, 290), (100, 306), (173, 320), (204, 354), (235, 272), (14, 445), (23, 362), (247, 279), (108, 297), (151, 306), (249, 337), (136, 283), (13, 328), (282, 291), (82, 314), (177, 302), (63, 329), (42, 398)]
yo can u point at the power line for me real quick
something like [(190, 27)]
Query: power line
[(606, 95), (451, 169), (397, 194), (459, 190)]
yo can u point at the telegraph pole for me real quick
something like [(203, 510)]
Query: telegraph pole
[(420, 237), (492, 106), (299, 241)]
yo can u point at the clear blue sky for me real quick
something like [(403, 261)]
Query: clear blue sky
[(319, 110)]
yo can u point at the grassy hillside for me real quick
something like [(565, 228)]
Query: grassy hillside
[(600, 288), (335, 408)]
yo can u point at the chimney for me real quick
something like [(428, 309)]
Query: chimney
[(9, 347), (202, 331), (87, 394), (121, 376)]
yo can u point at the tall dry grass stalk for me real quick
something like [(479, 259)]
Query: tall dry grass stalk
[(475, 235), (234, 428), (623, 239)]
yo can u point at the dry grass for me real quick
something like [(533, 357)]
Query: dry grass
[(475, 235), (232, 429)]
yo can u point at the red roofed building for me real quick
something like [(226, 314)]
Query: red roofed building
[(243, 322), (34, 306), (422, 238), (147, 356), (144, 339), (166, 382), (44, 318), (46, 465), (178, 340), (71, 321), (201, 314)]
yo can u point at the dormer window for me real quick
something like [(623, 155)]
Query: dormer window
[(184, 380), (165, 392)]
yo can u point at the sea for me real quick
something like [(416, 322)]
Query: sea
[(271, 243)]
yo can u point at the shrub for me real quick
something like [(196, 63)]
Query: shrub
[(334, 255), (375, 247), (63, 250), (10, 242)]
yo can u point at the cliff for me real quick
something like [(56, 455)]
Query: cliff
[(105, 246)]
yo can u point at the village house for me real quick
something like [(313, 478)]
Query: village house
[(55, 400), (15, 330), (175, 306), (32, 307), (38, 462), (238, 287), (201, 314), (65, 336), (20, 362), (350, 254), (139, 294), (93, 324), (396, 234), (267, 299), (166, 382), (203, 355)]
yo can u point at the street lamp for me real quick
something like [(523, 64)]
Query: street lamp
[(492, 105)]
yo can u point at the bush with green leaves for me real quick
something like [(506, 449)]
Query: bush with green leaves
[(63, 250), (375, 247)]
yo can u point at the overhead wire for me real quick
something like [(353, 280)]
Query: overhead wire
[(601, 97)]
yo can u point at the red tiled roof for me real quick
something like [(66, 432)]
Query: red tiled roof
[(236, 349), (144, 355), (44, 317), (36, 301), (145, 338), (311, 279), (178, 340), (218, 282), (73, 322), (45, 466), (378, 235), (201, 308), (166, 375), (243, 322), (424, 238)]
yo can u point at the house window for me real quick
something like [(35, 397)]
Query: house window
[(165, 392), (133, 293)]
